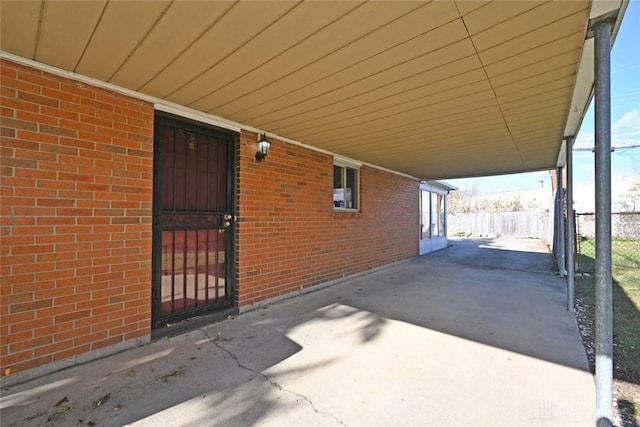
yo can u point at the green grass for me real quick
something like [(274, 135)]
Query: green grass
[(626, 299)]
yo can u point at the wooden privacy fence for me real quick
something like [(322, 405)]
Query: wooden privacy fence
[(533, 224)]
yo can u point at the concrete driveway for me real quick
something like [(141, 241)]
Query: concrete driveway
[(474, 335)]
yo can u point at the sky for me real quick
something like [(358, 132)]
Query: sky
[(625, 121)]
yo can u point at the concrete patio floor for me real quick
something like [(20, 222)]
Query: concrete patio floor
[(473, 335)]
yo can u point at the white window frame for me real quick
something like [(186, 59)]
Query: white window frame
[(347, 163)]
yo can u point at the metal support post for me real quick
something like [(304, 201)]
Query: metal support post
[(603, 318), (560, 219), (570, 225)]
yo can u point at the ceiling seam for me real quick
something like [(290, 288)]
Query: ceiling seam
[(417, 128), (492, 88), (513, 109), (495, 24), (548, 24), (438, 133), (542, 108), (526, 97), (547, 58), (540, 46), (39, 30), (552, 70), (253, 37), (341, 47), (340, 128), (360, 80), (338, 71), (95, 28), (356, 81), (276, 56), (195, 40), (142, 39), (371, 91), (478, 115), (442, 112), (325, 127), (424, 97)]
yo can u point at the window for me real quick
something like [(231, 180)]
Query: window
[(345, 187), (437, 215), (432, 215), (425, 215)]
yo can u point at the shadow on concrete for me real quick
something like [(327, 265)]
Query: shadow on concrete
[(435, 308)]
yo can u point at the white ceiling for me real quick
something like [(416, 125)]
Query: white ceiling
[(435, 90)]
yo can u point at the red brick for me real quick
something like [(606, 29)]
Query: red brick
[(39, 80), (58, 139), (87, 257), (37, 99)]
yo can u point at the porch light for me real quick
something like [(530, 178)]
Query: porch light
[(263, 148)]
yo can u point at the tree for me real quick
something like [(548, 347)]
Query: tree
[(463, 200)]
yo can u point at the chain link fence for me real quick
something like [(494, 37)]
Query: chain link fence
[(625, 239)]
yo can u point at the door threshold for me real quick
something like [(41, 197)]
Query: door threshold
[(192, 323)]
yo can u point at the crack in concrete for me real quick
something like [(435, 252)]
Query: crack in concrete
[(269, 380)]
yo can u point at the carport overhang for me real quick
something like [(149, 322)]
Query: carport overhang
[(434, 90)]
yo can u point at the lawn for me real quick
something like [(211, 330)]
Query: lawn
[(626, 317)]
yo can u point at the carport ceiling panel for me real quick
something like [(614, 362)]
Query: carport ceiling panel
[(19, 18), (555, 89), (65, 31), (469, 121), (399, 97), (551, 110), (312, 80), (535, 55), (465, 141), (371, 126), (541, 72), (539, 136), (457, 166), (536, 85), (538, 117), (554, 29), (335, 56), (401, 107), (109, 46), (441, 122), (239, 25), (531, 20), (467, 6), (411, 139), (523, 104), (285, 33), (493, 13), (464, 144), (164, 44), (337, 75), (416, 151), (310, 33), (391, 80)]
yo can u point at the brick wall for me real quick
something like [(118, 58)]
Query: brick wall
[(76, 209), (289, 236)]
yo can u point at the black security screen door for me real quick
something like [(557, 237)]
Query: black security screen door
[(193, 220)]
